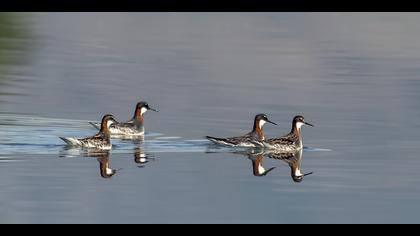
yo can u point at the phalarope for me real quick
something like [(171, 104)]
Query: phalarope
[(133, 127), (99, 141), (293, 159), (290, 142), (247, 140)]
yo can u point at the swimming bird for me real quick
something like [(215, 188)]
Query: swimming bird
[(290, 142), (247, 140), (133, 127), (99, 141)]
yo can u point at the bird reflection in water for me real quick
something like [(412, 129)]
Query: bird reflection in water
[(137, 140), (105, 171), (101, 155), (294, 160), (141, 157), (256, 157)]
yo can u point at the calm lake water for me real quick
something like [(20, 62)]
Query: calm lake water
[(355, 76)]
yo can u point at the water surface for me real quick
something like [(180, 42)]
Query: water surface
[(355, 76)]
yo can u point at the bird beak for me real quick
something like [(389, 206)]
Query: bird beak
[(308, 173), (306, 123), (152, 109), (272, 168), (269, 121)]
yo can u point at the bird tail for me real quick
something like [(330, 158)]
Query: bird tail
[(222, 141), (96, 125), (257, 143), (70, 141)]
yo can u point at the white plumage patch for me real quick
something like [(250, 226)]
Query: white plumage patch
[(109, 123), (261, 124), (297, 172), (143, 110), (245, 144), (299, 124), (261, 169), (108, 171)]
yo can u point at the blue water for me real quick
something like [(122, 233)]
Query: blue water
[(354, 76)]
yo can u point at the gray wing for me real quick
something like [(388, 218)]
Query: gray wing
[(95, 141), (127, 128), (231, 141), (240, 139), (285, 140), (124, 125)]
